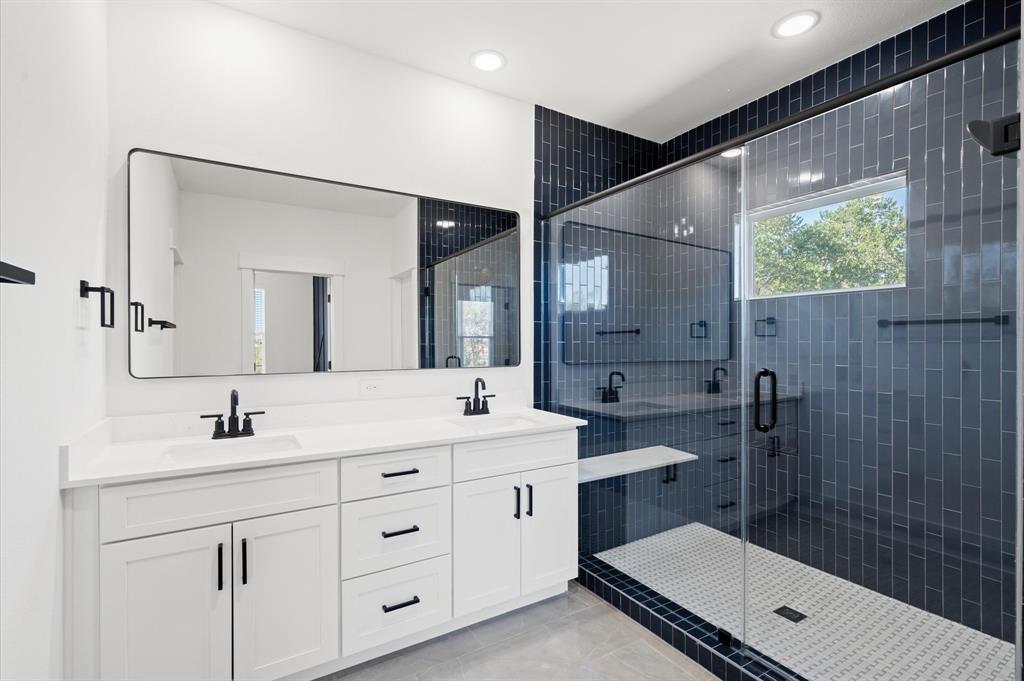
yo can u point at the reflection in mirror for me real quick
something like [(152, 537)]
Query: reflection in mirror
[(629, 296), (267, 273)]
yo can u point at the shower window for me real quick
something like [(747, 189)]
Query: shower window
[(476, 326), (853, 238)]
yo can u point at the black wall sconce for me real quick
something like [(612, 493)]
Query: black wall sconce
[(699, 329), (84, 290), (162, 323), (138, 314)]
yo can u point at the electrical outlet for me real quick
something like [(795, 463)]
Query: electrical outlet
[(371, 387)]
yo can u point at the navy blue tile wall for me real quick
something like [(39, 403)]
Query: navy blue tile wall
[(566, 169), (572, 160), (907, 434), (959, 26), (446, 228)]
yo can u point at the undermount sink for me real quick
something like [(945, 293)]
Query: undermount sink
[(491, 424), (229, 449)]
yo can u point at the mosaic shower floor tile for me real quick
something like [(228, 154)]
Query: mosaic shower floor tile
[(848, 632)]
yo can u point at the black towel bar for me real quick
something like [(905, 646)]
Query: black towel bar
[(998, 320)]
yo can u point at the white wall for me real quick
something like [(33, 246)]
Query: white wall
[(213, 230), (289, 320), (53, 193), (202, 80), (155, 212)]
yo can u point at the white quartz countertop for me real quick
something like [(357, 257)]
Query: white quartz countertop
[(99, 459)]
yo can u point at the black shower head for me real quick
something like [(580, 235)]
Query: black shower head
[(999, 136)]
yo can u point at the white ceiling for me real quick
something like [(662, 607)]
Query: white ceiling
[(212, 178), (654, 69)]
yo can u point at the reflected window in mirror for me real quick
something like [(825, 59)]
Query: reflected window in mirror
[(269, 273)]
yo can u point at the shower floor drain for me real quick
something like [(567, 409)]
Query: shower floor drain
[(790, 614)]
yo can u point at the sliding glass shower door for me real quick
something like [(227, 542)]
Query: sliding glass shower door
[(877, 273)]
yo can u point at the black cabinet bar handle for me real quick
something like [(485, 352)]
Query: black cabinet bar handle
[(220, 566), (411, 471), (529, 500), (726, 459), (245, 564), (398, 606), (727, 504), (399, 533), (516, 515)]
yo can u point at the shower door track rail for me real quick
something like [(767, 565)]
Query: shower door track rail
[(924, 68)]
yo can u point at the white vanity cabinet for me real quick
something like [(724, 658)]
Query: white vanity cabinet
[(261, 591), (516, 533), (165, 606), (285, 592), (301, 569)]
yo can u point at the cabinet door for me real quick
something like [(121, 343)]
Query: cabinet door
[(549, 527), (286, 592), (485, 544), (165, 606)]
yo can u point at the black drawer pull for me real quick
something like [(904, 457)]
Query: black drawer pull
[(391, 608), (529, 500), (519, 496), (411, 471), (727, 504), (399, 533), (726, 459), (245, 563), (220, 566), (726, 423)]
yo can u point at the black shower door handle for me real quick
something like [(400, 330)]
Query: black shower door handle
[(766, 427)]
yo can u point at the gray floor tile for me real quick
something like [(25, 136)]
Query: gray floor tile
[(573, 637)]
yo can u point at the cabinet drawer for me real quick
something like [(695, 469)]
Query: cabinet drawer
[(375, 475), (719, 422), (474, 460), (140, 509), (390, 605), (391, 531), (722, 459)]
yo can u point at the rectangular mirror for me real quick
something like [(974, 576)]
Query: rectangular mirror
[(236, 270)]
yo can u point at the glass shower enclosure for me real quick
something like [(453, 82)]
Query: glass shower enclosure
[(798, 364)]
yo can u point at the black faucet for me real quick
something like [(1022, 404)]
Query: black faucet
[(714, 386), (219, 433), (611, 393), (474, 405)]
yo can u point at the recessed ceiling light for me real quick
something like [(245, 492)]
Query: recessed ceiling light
[(445, 224), (732, 153), (795, 24), (488, 60)]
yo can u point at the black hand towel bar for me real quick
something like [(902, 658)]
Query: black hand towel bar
[(105, 293)]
